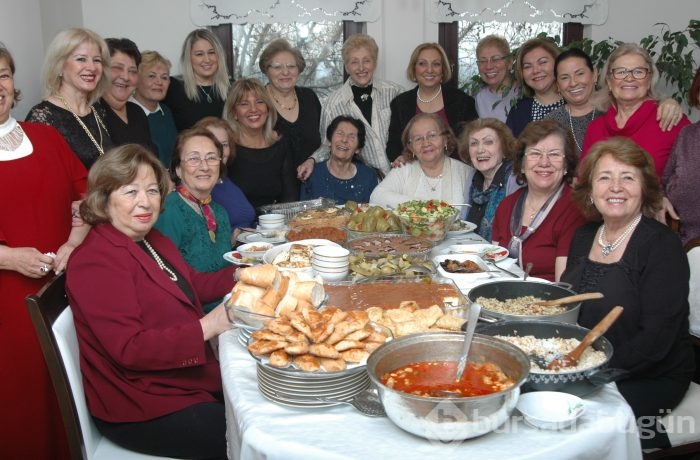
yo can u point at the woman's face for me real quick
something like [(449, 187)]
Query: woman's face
[(83, 69), (546, 173), (360, 66), (344, 141), (133, 208), (576, 82), (427, 142), (616, 189), (493, 67), (199, 168), (629, 89), (538, 70), (153, 82), (283, 71), (485, 150), (222, 136), (251, 111), (428, 68), (124, 74), (204, 60), (7, 90)]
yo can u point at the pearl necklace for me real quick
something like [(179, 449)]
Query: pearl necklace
[(571, 125), (428, 101), (607, 248), (159, 261)]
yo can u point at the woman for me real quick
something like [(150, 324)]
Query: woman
[(43, 176), (499, 93), (298, 108), (125, 122), (489, 147), (681, 180), (340, 178), (201, 91), (534, 66), (152, 381), (263, 167), (434, 175), (151, 87), (229, 195), (74, 77), (537, 222), (430, 68), (362, 97), (638, 263), (197, 226)]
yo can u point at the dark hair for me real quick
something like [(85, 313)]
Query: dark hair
[(572, 53), (627, 152), (694, 93), (5, 54), (275, 47), (118, 167), (361, 132), (532, 44), (509, 144), (533, 133), (186, 135), (126, 46)]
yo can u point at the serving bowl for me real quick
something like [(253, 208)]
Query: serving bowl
[(254, 251), (550, 410), (451, 418), (429, 219)]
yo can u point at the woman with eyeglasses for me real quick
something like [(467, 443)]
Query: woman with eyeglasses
[(198, 226), (499, 92), (433, 174), (537, 222)]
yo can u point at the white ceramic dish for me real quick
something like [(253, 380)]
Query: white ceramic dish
[(460, 227), (251, 237), (271, 254), (550, 410), (486, 251), (462, 258), (254, 251), (237, 258)]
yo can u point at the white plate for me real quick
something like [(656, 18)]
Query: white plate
[(250, 237), (270, 254), (231, 257), (463, 227), (461, 258), (489, 252)]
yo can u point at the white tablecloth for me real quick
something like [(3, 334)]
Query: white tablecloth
[(260, 429)]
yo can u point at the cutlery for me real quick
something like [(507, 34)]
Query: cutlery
[(263, 233), (474, 311), (528, 267), (503, 269), (569, 299)]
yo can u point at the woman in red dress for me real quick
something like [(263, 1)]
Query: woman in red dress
[(39, 177)]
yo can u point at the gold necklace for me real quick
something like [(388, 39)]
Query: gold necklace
[(290, 108), (431, 186), (98, 120)]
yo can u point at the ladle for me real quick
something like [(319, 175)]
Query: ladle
[(474, 311), (569, 299), (571, 358), (366, 402)]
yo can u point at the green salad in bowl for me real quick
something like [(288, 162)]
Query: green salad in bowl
[(430, 219)]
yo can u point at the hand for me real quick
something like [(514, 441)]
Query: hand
[(61, 259), (401, 160), (76, 220), (666, 208), (668, 114), (305, 169), (215, 322), (29, 262)]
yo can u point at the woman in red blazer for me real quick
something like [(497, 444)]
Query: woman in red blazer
[(152, 381)]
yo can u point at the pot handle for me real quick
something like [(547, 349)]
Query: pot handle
[(603, 376), (563, 284)]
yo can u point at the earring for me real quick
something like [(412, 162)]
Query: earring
[(590, 200)]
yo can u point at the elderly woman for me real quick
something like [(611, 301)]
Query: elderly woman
[(151, 86), (487, 145), (298, 108), (430, 68), (339, 177), (534, 66), (362, 97), (126, 123), (35, 161), (198, 226), (202, 88), (229, 195), (538, 221), (638, 263), (263, 167), (74, 77), (152, 380), (434, 175), (498, 94)]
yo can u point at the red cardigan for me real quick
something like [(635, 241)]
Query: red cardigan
[(142, 352)]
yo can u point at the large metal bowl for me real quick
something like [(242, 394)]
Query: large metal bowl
[(447, 419), (503, 290)]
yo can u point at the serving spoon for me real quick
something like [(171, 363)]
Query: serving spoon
[(569, 299), (474, 311), (571, 358)]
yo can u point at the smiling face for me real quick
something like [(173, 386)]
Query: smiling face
[(222, 136), (629, 89), (251, 111), (133, 208), (344, 141), (427, 142), (124, 75), (575, 81), (205, 61), (153, 83), (7, 90), (428, 68), (616, 190), (199, 179), (360, 66), (283, 71), (545, 174), (485, 151), (493, 67), (82, 69), (538, 70)]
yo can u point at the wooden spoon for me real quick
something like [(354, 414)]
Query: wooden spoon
[(570, 299), (571, 358)]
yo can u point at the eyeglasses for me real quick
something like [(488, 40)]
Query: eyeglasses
[(344, 135), (495, 60), (638, 73), (194, 161), (430, 137), (277, 67), (554, 156)]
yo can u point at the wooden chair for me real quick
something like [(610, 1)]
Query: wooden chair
[(53, 322)]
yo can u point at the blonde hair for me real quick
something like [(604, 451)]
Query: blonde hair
[(151, 58), (446, 67), (221, 80), (239, 90), (356, 41)]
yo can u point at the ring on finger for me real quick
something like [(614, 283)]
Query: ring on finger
[(44, 268)]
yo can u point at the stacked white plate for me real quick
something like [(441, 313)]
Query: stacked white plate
[(296, 388), (332, 263), (271, 221)]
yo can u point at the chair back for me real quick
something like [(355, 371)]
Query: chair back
[(693, 252)]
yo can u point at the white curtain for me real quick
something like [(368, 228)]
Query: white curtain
[(583, 11), (212, 12)]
